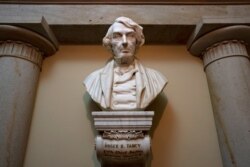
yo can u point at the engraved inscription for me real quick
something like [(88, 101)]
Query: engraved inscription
[(122, 150)]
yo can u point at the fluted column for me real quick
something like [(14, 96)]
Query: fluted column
[(20, 66), (227, 66)]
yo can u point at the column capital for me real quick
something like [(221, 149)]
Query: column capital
[(40, 37), (21, 50), (211, 32)]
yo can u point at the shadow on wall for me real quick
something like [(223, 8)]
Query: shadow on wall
[(158, 106), (91, 106)]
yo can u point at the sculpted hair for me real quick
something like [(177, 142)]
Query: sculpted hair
[(128, 23)]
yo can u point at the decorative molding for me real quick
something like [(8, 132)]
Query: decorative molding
[(123, 134), (223, 50), (21, 50), (122, 120)]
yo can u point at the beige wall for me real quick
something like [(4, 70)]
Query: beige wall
[(62, 133)]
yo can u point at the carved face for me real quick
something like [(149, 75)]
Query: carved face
[(123, 43)]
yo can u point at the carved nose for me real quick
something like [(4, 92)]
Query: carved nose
[(124, 41)]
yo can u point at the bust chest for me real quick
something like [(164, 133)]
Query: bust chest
[(124, 90)]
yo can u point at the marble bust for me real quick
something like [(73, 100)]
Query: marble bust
[(124, 83)]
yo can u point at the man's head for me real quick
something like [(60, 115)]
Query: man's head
[(123, 38)]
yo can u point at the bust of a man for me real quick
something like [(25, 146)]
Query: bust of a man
[(124, 83)]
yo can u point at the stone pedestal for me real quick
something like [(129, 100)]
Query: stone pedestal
[(123, 138), (227, 66), (21, 55)]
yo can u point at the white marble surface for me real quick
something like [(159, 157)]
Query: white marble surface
[(137, 85)]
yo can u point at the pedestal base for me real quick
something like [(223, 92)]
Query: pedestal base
[(123, 138)]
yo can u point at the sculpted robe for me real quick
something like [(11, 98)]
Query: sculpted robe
[(149, 83)]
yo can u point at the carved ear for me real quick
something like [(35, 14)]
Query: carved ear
[(107, 43), (141, 41), (138, 44)]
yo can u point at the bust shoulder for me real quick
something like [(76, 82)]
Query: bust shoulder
[(156, 74)]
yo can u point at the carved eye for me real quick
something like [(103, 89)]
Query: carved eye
[(131, 35), (117, 35)]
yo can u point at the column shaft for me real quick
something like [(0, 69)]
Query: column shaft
[(19, 71), (227, 68)]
